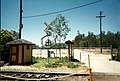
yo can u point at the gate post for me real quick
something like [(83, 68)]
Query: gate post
[(90, 69), (69, 43)]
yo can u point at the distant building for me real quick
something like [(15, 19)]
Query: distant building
[(20, 51)]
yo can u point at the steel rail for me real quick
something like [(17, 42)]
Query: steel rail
[(13, 75)]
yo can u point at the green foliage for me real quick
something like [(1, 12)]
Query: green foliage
[(34, 60), (62, 46), (92, 40), (5, 36), (58, 29), (38, 62), (118, 56), (54, 63), (113, 39), (73, 65), (35, 46), (64, 59)]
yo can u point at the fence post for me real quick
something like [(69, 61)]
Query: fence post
[(80, 56), (90, 70), (111, 52)]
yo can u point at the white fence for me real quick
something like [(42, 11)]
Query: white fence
[(64, 52), (44, 53)]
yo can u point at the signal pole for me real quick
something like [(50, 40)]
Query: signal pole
[(20, 24), (100, 29)]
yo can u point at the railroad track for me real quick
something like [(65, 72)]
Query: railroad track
[(14, 75), (38, 76)]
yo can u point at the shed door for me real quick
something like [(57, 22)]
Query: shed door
[(14, 51)]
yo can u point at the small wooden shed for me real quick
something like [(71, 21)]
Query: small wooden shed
[(20, 51)]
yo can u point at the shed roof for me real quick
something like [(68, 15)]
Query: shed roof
[(19, 41), (68, 42)]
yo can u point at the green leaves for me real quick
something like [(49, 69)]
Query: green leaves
[(6, 36), (54, 63), (59, 27), (92, 40)]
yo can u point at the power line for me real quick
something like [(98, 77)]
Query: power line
[(63, 10)]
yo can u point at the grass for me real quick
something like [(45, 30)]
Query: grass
[(118, 56), (54, 63)]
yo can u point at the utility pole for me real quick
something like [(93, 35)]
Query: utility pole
[(100, 29), (20, 25)]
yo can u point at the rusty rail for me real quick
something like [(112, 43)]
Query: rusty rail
[(36, 75)]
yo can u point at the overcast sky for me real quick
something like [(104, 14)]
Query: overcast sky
[(82, 19)]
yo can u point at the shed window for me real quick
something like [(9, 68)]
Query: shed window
[(14, 49), (28, 46)]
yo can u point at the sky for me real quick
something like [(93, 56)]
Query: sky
[(82, 19)]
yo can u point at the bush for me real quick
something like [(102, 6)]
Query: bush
[(34, 59), (53, 62), (118, 57), (64, 59), (73, 65), (51, 65)]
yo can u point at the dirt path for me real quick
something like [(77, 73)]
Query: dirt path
[(99, 62), (106, 78), (106, 70)]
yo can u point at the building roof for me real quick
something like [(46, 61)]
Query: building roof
[(20, 41), (68, 42)]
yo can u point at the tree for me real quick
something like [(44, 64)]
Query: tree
[(117, 37), (15, 34), (5, 36), (59, 29), (93, 40), (79, 39), (113, 39), (104, 40)]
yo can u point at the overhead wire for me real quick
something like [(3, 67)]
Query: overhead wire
[(65, 10)]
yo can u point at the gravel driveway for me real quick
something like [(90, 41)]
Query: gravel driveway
[(99, 62), (101, 66)]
